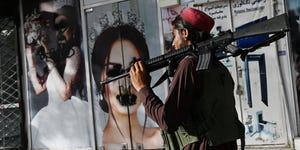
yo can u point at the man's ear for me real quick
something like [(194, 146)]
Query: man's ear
[(185, 32)]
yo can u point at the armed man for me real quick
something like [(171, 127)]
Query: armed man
[(199, 112)]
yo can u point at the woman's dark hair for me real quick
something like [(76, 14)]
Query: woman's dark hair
[(195, 35), (106, 39)]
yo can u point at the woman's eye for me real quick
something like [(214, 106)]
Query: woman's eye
[(114, 69), (114, 72)]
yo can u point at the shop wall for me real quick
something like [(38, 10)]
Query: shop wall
[(70, 48)]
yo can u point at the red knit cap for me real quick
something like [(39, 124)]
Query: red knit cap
[(198, 19)]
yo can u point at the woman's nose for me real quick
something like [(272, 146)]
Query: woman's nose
[(124, 82)]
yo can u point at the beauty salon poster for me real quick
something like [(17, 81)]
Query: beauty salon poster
[(118, 33), (58, 107)]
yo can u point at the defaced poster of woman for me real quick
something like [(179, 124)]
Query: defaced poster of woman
[(118, 34), (114, 50), (58, 107)]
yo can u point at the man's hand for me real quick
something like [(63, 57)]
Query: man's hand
[(139, 76)]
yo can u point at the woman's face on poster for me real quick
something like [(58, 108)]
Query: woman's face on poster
[(64, 31), (122, 54)]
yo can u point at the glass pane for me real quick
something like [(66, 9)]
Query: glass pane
[(117, 33), (58, 102)]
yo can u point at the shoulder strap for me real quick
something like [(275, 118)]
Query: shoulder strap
[(243, 143)]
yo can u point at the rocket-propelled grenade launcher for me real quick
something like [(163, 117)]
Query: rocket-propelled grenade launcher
[(277, 26)]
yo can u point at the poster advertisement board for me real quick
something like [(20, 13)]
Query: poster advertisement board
[(118, 33), (58, 106)]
